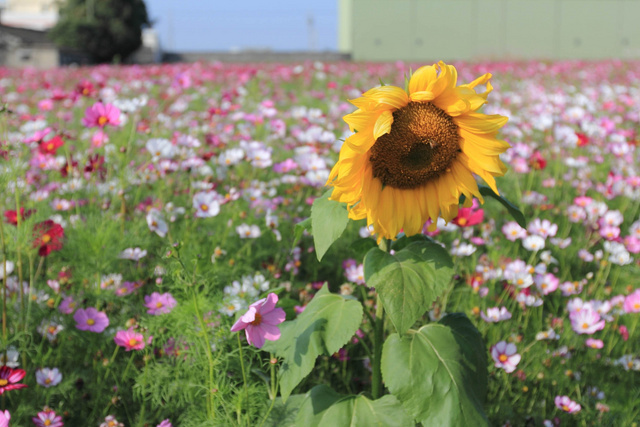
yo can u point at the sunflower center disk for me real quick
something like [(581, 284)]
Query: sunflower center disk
[(421, 145)]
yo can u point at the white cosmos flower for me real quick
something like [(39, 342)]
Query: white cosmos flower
[(206, 204)]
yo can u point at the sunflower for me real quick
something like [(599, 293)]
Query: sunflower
[(413, 154)]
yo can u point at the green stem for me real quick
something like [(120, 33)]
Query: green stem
[(376, 386), (244, 377), (113, 358), (203, 328), (4, 287)]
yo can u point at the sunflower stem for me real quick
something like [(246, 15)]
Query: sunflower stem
[(378, 340)]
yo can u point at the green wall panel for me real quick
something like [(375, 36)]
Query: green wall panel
[(429, 30)]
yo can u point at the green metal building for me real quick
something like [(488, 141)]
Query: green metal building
[(420, 30)]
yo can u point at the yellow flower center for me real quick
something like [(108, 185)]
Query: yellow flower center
[(421, 145), (50, 146), (3, 382), (46, 238), (565, 408), (91, 322), (585, 325), (47, 422), (503, 358), (158, 304), (47, 381), (204, 207), (462, 221), (102, 120), (133, 342)]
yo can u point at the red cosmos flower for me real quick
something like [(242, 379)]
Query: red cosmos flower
[(48, 237), (9, 377), (95, 164), (51, 146), (537, 161), (12, 216), (582, 139), (468, 217), (85, 88), (67, 168)]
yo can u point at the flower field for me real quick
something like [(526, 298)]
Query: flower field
[(159, 267)]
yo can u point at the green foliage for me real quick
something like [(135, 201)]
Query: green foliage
[(325, 407), (104, 29), (439, 372), (327, 323), (409, 281), (328, 219), (511, 208)]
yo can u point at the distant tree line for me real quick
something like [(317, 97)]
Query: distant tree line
[(106, 30)]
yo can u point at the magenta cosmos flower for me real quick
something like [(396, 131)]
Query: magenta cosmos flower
[(159, 303), (567, 405), (100, 115), (5, 416), (48, 418), (9, 378), (129, 339), (259, 322), (91, 320), (505, 355)]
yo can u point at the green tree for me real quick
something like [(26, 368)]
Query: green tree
[(107, 30)]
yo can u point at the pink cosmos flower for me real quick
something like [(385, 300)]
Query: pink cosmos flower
[(495, 314), (5, 416), (567, 405), (159, 303), (632, 302), (100, 115), (165, 423), (48, 418), (47, 377), (512, 231), (594, 343), (91, 320), (586, 320), (111, 421), (542, 228), (67, 305), (129, 339), (546, 283), (259, 322), (505, 355)]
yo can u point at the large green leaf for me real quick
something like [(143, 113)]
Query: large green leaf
[(511, 208), (325, 407), (409, 281), (299, 230), (284, 413), (327, 324), (328, 220), (439, 372)]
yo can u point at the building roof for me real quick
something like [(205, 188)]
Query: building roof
[(26, 36)]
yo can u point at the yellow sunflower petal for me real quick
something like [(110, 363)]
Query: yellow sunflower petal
[(446, 80), (478, 170), (361, 141), (481, 123), (486, 144), (360, 119), (383, 124), (421, 79), (390, 96), (466, 181), (422, 96)]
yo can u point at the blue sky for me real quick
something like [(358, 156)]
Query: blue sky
[(221, 25)]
